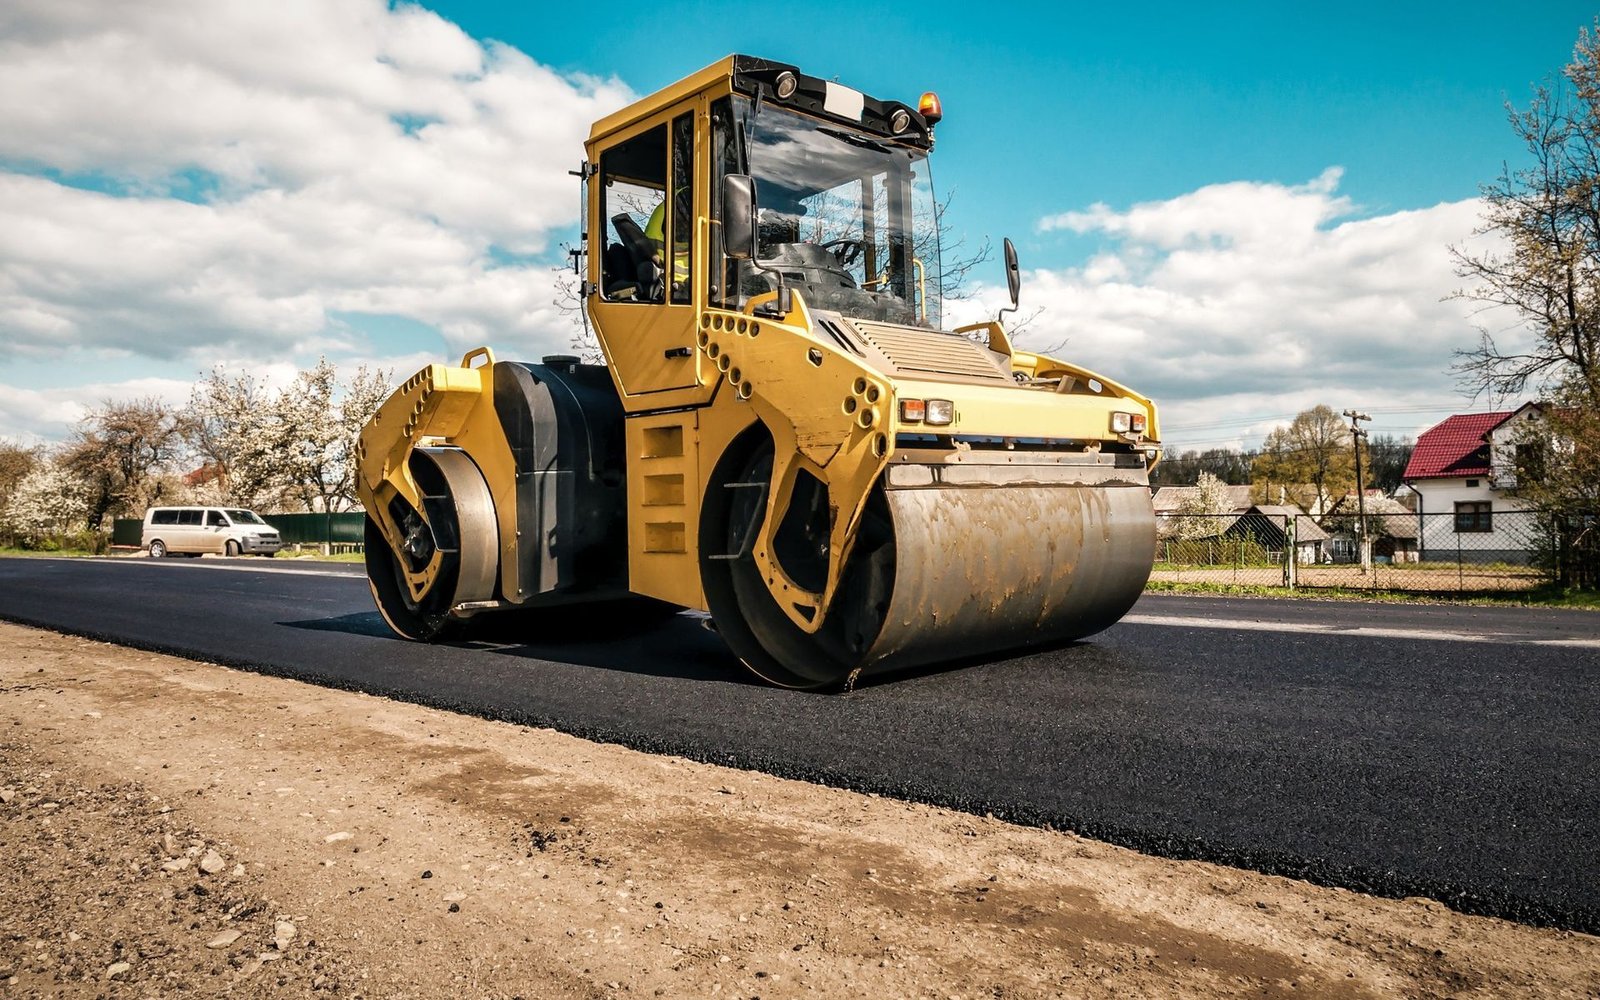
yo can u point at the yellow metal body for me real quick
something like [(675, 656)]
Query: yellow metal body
[(692, 378)]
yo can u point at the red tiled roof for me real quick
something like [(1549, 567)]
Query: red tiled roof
[(1458, 446)]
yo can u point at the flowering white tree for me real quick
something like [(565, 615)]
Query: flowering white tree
[(233, 428), (1198, 511), (49, 500), (318, 421)]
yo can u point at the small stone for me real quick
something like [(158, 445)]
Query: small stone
[(212, 863), (334, 838), (223, 940), (871, 872), (116, 969), (6, 795), (176, 865), (454, 897), (74, 936), (169, 845), (455, 907), (282, 934), (268, 956), (427, 874), (238, 871)]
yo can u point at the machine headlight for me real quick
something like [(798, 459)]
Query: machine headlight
[(787, 82), (941, 411), (899, 121)]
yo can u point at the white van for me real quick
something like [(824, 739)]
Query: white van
[(192, 531)]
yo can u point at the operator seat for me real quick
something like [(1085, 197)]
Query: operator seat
[(643, 250)]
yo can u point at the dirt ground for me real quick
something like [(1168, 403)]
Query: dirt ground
[(173, 829)]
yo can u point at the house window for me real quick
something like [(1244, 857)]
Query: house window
[(1530, 460), (1473, 515), (1471, 483)]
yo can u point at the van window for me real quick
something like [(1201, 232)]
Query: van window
[(164, 517), (244, 517), (189, 517), (214, 519)]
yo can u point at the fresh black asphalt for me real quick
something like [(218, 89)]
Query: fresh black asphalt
[(1464, 771)]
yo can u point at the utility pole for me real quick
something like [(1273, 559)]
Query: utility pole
[(1356, 434)]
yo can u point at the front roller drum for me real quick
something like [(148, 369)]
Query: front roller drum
[(456, 523), (949, 563)]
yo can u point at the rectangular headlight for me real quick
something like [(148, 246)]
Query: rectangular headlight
[(1121, 422), (941, 411)]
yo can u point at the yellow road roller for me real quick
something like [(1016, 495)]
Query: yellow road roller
[(783, 433)]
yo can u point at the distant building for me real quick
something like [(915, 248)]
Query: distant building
[(1391, 522), (1461, 471), (1268, 525)]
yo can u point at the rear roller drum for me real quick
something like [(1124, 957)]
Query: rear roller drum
[(458, 523)]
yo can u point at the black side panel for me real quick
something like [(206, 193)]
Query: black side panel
[(564, 423)]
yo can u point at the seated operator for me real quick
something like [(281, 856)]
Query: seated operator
[(655, 232)]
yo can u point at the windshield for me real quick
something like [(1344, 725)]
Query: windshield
[(244, 517), (848, 219)]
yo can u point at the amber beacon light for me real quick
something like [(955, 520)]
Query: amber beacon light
[(930, 108)]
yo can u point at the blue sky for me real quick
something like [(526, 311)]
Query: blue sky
[(1052, 106), (1239, 209)]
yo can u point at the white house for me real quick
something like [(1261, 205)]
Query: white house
[(1461, 471)]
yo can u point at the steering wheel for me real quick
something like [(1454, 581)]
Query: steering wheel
[(848, 249)]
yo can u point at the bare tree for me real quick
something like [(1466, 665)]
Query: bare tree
[(1545, 271), (120, 452)]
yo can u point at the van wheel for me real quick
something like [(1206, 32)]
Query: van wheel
[(231, 548), (158, 549)]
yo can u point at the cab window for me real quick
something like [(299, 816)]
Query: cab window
[(633, 186), (214, 519), (682, 217)]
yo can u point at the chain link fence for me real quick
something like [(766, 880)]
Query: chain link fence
[(1480, 552)]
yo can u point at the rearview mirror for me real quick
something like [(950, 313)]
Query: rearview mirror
[(1013, 273), (739, 216)]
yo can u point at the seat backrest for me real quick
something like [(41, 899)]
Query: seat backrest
[(639, 245)]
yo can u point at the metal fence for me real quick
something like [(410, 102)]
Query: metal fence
[(1422, 553), (341, 531)]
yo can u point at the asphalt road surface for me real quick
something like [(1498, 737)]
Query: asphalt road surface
[(1401, 750)]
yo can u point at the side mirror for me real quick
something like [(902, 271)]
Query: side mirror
[(1013, 273), (1013, 277), (739, 216)]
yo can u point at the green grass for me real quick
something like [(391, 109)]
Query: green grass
[(126, 553), (313, 554), (1548, 596)]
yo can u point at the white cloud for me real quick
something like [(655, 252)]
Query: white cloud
[(187, 183), (34, 416), (1246, 299)]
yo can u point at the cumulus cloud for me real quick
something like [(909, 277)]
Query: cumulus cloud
[(34, 416), (184, 183), (1246, 298)]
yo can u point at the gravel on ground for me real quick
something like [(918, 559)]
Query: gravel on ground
[(171, 828)]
